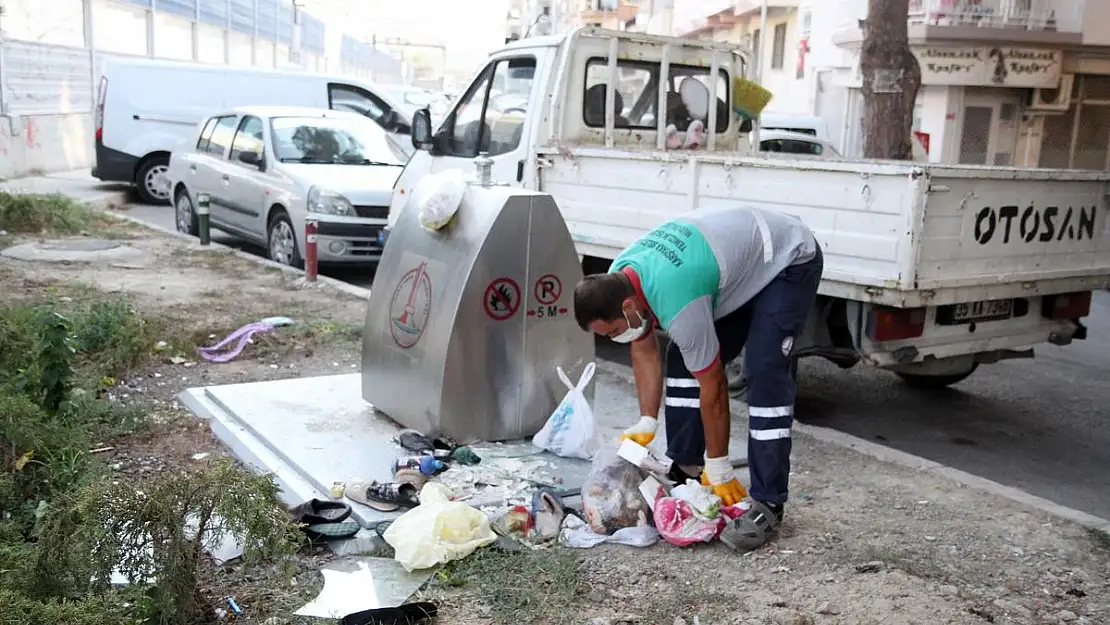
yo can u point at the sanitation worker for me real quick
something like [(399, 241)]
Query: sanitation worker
[(715, 279)]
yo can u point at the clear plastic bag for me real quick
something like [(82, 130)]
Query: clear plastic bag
[(571, 431), (438, 197), (437, 531), (611, 497)]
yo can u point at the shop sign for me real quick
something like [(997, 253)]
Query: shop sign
[(990, 66)]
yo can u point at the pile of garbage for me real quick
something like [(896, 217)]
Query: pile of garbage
[(438, 487)]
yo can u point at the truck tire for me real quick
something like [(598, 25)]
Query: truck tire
[(150, 181), (933, 382)]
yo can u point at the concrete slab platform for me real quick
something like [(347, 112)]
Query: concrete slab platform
[(312, 432)]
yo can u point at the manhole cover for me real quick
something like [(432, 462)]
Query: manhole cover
[(80, 245)]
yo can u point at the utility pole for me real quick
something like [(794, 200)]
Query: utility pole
[(762, 41), (891, 78)]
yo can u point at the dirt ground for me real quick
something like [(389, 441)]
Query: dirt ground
[(865, 541)]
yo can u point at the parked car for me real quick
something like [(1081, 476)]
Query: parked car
[(266, 169), (795, 143), (145, 107), (815, 139)]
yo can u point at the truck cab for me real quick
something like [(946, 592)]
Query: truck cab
[(588, 88)]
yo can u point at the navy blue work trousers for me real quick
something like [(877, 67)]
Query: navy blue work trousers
[(767, 325)]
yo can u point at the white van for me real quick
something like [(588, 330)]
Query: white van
[(146, 107)]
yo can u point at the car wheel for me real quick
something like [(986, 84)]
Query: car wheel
[(281, 241), (185, 215), (152, 180)]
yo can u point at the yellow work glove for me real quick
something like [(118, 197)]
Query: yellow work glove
[(643, 432), (718, 475)]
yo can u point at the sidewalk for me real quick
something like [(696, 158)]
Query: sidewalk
[(77, 184)]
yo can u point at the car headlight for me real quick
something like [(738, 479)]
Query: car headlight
[(327, 202)]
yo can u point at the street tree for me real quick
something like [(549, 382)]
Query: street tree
[(891, 78)]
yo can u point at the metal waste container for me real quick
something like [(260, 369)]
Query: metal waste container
[(466, 324)]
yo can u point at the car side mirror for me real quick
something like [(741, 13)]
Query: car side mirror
[(422, 130), (251, 158)]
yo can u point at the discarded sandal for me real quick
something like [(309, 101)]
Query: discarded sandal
[(385, 497), (316, 511), (415, 442), (320, 532), (382, 526), (751, 530), (408, 614)]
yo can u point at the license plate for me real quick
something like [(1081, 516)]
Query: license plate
[(981, 311)]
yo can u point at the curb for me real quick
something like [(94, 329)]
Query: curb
[(105, 205), (910, 461)]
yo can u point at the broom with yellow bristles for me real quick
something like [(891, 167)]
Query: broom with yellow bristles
[(749, 98)]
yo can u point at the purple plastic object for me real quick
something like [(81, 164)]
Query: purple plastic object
[(244, 334)]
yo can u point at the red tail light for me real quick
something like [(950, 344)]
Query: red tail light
[(895, 324), (1067, 305), (100, 97)]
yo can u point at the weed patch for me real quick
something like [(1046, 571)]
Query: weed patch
[(64, 520), (56, 214), (33, 214), (519, 587)]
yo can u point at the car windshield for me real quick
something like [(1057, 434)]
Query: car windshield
[(326, 140)]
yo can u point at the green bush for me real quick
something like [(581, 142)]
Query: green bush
[(65, 525), (32, 213), (41, 456), (113, 608), (111, 337), (142, 533)]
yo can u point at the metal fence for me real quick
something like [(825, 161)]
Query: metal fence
[(1080, 137), (51, 52)]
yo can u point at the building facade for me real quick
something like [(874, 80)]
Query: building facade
[(531, 18), (1004, 82)]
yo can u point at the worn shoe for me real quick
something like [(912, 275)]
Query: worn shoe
[(754, 528), (677, 476)]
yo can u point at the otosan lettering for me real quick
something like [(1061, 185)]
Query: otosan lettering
[(1051, 223)]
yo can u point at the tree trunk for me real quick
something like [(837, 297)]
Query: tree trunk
[(891, 78)]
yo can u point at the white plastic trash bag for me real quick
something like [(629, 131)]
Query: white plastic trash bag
[(438, 197), (437, 531), (571, 431)]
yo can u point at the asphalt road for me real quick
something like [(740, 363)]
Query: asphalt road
[(1038, 425)]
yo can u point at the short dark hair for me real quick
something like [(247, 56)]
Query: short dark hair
[(600, 297)]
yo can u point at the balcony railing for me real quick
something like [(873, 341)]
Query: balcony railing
[(1064, 16), (1058, 15)]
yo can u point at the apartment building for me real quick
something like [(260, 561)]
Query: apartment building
[(1004, 82), (530, 18), (781, 54)]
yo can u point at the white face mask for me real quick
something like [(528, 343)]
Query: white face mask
[(631, 334)]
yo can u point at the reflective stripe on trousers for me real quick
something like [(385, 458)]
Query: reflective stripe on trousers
[(768, 326)]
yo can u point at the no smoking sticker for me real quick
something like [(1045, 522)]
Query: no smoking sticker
[(501, 299)]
